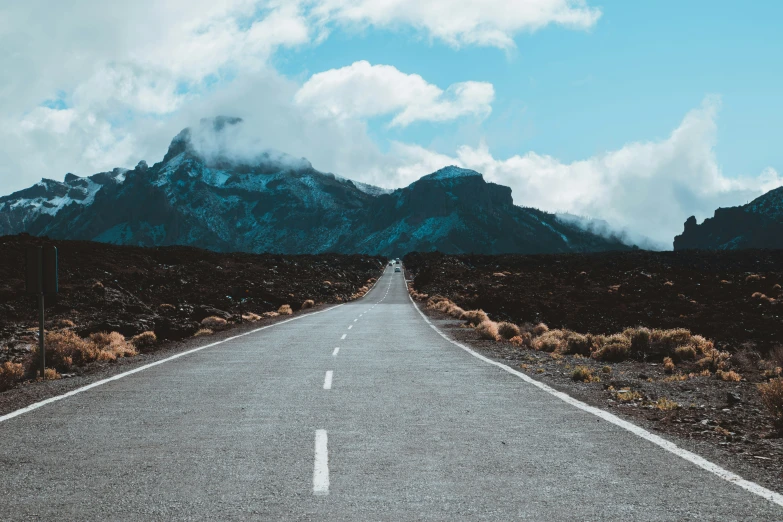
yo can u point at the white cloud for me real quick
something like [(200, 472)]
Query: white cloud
[(463, 22), (362, 90), (650, 188)]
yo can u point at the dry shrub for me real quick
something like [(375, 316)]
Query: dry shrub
[(628, 395), (676, 378), (64, 349), (758, 295), (475, 317), (203, 331), (508, 330), (550, 341), (308, 304), (772, 397), (144, 340), (50, 374), (668, 283), (64, 323), (584, 374), (539, 329), (214, 322), (729, 376), (523, 339), (746, 360), (166, 307), (269, 315), (251, 317), (285, 310), (639, 338), (606, 369), (714, 360), (614, 348), (578, 344), (684, 353), (499, 274), (665, 404), (777, 289), (668, 365), (488, 330), (753, 277), (98, 287), (112, 346), (10, 374)]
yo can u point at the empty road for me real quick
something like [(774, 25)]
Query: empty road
[(359, 412)]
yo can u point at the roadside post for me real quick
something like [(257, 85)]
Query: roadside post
[(41, 280)]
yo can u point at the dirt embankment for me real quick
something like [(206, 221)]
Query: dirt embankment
[(679, 341), (173, 292)]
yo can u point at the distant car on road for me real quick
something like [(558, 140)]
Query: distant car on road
[(397, 269)]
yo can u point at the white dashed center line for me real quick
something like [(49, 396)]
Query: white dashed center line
[(321, 467), (328, 380), (344, 336), (336, 351), (355, 320), (351, 326)]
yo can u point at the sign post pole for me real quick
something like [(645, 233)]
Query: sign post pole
[(41, 335), (41, 279)]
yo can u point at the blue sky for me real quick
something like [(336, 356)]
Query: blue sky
[(640, 113), (573, 94)]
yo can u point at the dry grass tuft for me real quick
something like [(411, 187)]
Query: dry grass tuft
[(475, 317), (308, 304), (64, 323), (144, 340), (251, 317), (10, 374), (539, 329), (584, 374), (550, 341), (112, 346), (166, 307), (665, 404), (50, 374), (203, 331), (214, 322), (285, 310), (753, 277), (269, 315), (614, 348), (523, 339), (772, 397), (668, 365), (578, 344), (728, 376), (488, 330), (508, 330)]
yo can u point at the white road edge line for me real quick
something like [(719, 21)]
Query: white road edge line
[(336, 351), (321, 466), (752, 487), (119, 376), (344, 336), (328, 380)]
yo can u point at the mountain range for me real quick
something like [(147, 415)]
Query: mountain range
[(759, 224), (273, 202)]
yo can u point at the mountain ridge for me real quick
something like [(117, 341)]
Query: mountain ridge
[(205, 194)]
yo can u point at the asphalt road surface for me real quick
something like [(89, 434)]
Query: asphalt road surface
[(360, 412)]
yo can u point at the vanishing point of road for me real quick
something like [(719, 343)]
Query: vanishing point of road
[(362, 411)]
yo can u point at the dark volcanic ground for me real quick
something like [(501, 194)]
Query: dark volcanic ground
[(118, 288), (706, 292)]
